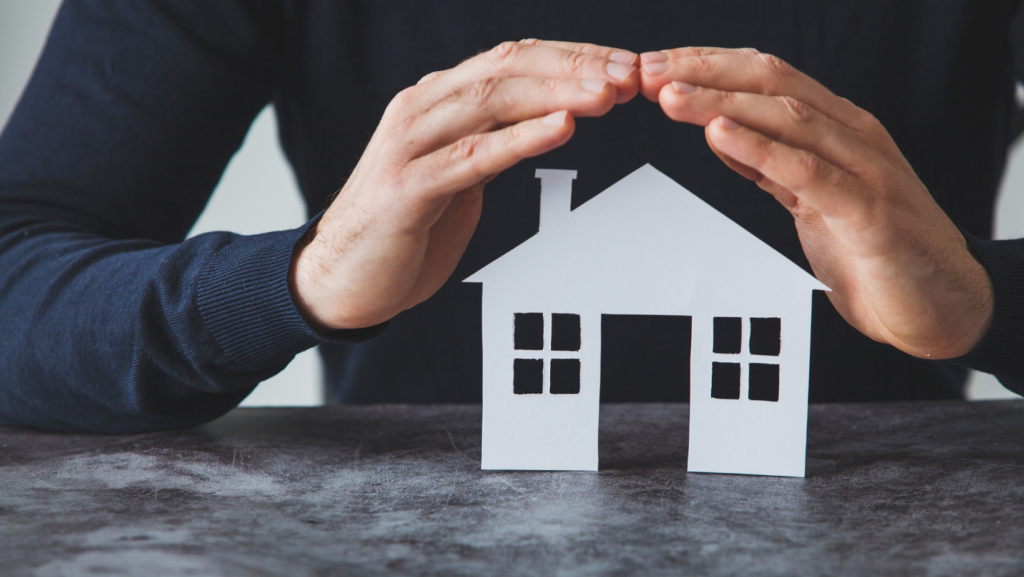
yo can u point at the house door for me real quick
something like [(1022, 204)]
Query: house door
[(645, 358)]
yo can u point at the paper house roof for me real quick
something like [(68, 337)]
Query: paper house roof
[(646, 245)]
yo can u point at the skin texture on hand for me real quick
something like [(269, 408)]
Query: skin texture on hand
[(397, 229), (900, 271)]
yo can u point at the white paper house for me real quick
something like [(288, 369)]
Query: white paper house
[(644, 246)]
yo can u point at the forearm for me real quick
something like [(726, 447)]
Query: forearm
[(129, 335), (131, 114)]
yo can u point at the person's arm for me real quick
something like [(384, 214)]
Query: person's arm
[(109, 321), (113, 323), (402, 221), (1000, 351), (900, 271)]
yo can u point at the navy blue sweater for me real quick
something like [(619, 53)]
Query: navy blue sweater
[(111, 321)]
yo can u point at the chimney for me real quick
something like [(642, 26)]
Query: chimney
[(555, 196)]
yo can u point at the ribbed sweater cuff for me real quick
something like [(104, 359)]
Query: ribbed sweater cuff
[(1001, 350), (245, 301)]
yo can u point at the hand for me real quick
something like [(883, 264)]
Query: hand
[(899, 270), (399, 226)]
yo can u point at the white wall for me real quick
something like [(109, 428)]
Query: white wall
[(258, 193)]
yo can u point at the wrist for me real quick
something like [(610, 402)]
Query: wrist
[(979, 310), (304, 283)]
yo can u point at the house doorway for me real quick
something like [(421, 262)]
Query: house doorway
[(645, 358)]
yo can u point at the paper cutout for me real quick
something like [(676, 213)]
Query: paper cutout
[(644, 246)]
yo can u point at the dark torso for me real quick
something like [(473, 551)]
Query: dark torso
[(938, 77)]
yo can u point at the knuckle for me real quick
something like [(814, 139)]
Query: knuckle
[(466, 153), (479, 94), (402, 101), (548, 86), (702, 63), (504, 53), (730, 99), (776, 66), (574, 63), (464, 149), (510, 136), (508, 139), (749, 51), (864, 121), (812, 168), (694, 52), (798, 112), (431, 76)]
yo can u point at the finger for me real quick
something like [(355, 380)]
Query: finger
[(654, 64), (496, 102), (786, 198), (541, 61), (449, 235), (613, 54), (432, 76), (823, 186), (781, 118), (746, 70), (476, 157)]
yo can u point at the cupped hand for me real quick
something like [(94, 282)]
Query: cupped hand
[(398, 227), (899, 270)]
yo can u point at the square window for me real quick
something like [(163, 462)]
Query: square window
[(728, 335), (528, 376), (765, 336), (764, 382), (565, 376), (725, 380), (565, 332), (529, 332)]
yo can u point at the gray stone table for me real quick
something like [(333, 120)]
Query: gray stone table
[(896, 489)]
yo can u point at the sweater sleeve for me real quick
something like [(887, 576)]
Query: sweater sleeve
[(109, 320), (1001, 350)]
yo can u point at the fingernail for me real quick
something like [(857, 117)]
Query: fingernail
[(683, 88), (622, 57), (654, 57), (727, 123), (555, 118), (593, 84), (619, 71), (655, 68)]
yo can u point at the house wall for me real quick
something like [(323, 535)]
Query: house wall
[(537, 431), (744, 436)]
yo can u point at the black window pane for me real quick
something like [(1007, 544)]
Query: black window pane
[(725, 380), (528, 376), (765, 336), (529, 331), (565, 332), (764, 382), (728, 335), (565, 376)]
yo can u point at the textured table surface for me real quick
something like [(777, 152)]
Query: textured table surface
[(896, 489)]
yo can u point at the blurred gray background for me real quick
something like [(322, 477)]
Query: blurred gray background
[(258, 193)]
